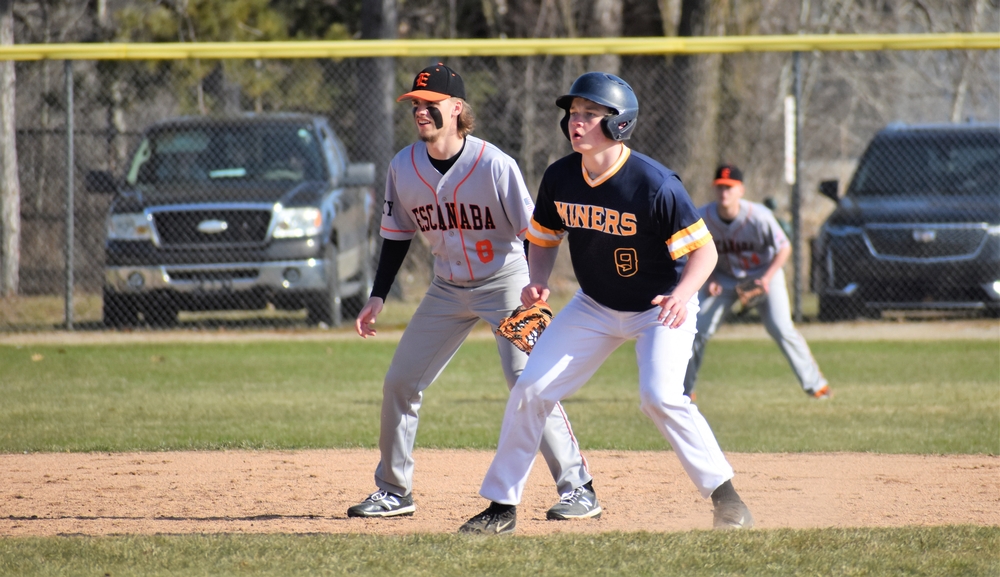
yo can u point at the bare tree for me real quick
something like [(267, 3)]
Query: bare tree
[(10, 186), (971, 59), (116, 103), (607, 23)]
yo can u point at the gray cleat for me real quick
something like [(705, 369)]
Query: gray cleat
[(383, 504), (580, 503)]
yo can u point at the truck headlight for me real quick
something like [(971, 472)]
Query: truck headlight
[(297, 222), (129, 226)]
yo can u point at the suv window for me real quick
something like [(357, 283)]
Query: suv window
[(921, 164), (219, 153)]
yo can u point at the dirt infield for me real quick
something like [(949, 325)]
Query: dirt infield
[(309, 492)]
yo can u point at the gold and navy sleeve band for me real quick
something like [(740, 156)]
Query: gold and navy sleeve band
[(688, 239), (538, 234)]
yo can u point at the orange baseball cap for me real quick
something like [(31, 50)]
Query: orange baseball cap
[(728, 175), (436, 83)]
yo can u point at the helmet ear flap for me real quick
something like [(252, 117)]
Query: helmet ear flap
[(606, 126), (564, 124)]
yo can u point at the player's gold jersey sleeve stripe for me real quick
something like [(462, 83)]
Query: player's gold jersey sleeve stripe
[(689, 239), (538, 234)]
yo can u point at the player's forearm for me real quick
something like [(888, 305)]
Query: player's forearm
[(700, 265), (541, 262), (390, 259)]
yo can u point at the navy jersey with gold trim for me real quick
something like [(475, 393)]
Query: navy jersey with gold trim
[(627, 229)]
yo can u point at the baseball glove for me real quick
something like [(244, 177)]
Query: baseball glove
[(525, 325), (750, 294)]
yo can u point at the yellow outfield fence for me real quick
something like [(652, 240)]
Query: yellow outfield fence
[(501, 47)]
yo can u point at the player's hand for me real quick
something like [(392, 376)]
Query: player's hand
[(533, 293), (764, 283), (365, 323), (673, 311), (714, 288)]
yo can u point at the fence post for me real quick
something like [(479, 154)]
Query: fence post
[(69, 194), (797, 195)]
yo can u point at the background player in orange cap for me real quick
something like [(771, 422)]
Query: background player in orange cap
[(752, 247)]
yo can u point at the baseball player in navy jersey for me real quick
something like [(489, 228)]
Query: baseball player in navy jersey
[(469, 201), (640, 252), (751, 246)]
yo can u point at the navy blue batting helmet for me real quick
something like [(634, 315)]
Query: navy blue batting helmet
[(606, 90)]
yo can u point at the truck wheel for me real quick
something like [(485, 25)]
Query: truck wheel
[(326, 307), (366, 278), (119, 310), (833, 308), (160, 312)]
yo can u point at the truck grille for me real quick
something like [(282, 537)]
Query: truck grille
[(925, 241), (245, 227)]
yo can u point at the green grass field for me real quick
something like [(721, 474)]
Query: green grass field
[(892, 397), (930, 551)]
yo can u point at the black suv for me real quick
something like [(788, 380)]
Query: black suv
[(235, 213), (919, 225)]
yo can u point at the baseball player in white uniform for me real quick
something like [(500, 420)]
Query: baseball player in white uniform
[(751, 246), (640, 252), (469, 201)]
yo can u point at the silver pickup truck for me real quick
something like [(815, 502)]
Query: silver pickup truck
[(234, 213)]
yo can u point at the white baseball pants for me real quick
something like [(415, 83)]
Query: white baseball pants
[(572, 348), (438, 328)]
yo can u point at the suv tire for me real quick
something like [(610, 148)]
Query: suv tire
[(833, 309)]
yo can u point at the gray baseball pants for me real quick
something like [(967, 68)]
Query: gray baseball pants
[(777, 318), (443, 320)]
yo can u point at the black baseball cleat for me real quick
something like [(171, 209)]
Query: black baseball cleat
[(730, 511), (732, 515), (383, 504), (580, 503), (497, 519)]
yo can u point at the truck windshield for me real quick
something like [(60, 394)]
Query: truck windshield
[(957, 164), (224, 152)]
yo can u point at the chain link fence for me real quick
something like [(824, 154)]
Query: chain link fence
[(246, 193)]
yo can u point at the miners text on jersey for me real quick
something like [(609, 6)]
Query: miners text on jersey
[(599, 218)]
